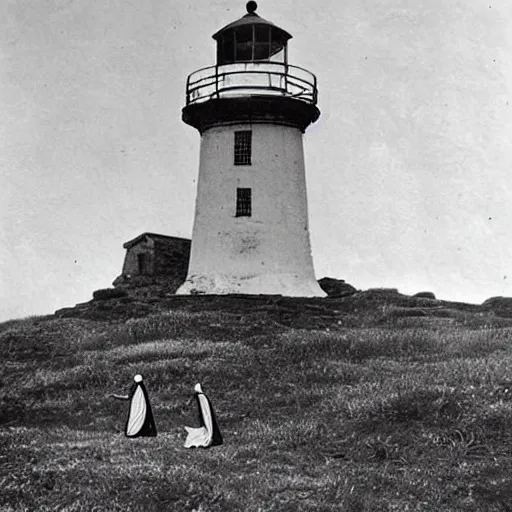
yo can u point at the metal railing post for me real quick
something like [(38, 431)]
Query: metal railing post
[(286, 76), (217, 81)]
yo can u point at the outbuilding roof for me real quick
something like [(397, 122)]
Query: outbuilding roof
[(155, 236)]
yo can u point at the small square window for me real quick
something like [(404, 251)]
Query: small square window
[(243, 147), (243, 202)]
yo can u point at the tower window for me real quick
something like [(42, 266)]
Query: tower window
[(243, 147), (243, 202)]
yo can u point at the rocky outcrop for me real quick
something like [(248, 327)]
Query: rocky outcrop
[(425, 295), (108, 293), (501, 306), (498, 302), (336, 287), (135, 285)]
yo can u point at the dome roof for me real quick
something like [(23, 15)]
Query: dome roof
[(251, 18)]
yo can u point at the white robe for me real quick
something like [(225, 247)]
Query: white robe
[(137, 413), (201, 436)]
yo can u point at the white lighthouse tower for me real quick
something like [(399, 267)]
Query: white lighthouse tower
[(250, 232)]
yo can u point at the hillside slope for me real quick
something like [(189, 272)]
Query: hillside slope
[(372, 402)]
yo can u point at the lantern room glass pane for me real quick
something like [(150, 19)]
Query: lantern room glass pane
[(243, 38), (261, 33), (251, 43), (244, 34), (276, 48), (278, 56), (227, 50), (261, 51)]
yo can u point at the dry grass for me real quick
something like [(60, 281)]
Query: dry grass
[(391, 405)]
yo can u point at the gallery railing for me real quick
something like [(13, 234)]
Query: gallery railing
[(251, 78)]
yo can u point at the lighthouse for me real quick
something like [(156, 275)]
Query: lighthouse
[(250, 233)]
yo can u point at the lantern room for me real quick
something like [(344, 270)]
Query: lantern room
[(251, 80), (251, 39)]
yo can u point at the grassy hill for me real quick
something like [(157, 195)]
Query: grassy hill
[(372, 402)]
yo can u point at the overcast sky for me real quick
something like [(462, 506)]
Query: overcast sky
[(408, 168)]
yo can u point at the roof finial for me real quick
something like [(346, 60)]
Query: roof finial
[(251, 6)]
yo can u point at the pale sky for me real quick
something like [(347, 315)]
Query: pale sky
[(408, 168)]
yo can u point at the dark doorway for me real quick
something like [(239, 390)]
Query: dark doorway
[(143, 263)]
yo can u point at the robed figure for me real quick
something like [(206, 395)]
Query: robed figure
[(208, 434), (140, 421)]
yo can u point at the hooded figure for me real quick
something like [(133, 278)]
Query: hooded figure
[(208, 434), (140, 422)]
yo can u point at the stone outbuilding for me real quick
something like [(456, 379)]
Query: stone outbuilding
[(154, 255)]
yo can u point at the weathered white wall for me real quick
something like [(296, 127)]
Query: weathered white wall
[(269, 252)]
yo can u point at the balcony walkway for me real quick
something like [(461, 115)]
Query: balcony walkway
[(251, 78)]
